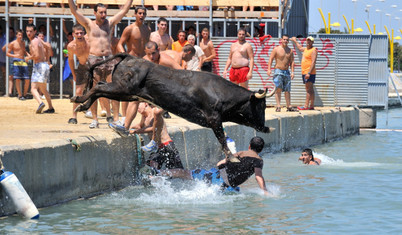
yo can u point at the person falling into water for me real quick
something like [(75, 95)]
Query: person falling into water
[(308, 158), (229, 175)]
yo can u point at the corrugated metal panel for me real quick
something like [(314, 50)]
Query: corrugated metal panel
[(325, 85), (297, 24), (377, 81)]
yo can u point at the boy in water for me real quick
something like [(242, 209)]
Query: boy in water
[(308, 158)]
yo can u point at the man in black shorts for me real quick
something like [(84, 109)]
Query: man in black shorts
[(229, 175), (80, 48)]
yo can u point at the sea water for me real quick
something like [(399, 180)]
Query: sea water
[(356, 190)]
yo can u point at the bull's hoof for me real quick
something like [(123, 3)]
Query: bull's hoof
[(80, 108), (271, 129), (73, 99), (233, 159)]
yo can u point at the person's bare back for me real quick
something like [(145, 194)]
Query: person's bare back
[(174, 55)]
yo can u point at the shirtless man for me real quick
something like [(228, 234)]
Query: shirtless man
[(135, 37), (16, 50), (308, 158), (99, 38), (185, 55), (209, 50), (284, 58), (167, 153), (228, 175), (241, 58), (80, 48), (40, 71), (160, 36), (49, 52)]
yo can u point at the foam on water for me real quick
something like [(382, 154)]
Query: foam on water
[(328, 161), (197, 192)]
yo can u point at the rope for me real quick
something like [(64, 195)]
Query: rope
[(139, 152), (185, 146)]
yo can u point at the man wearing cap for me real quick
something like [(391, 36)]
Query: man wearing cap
[(308, 70)]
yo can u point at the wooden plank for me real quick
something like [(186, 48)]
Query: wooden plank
[(172, 14), (218, 3)]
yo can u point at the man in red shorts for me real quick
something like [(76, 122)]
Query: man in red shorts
[(241, 60)]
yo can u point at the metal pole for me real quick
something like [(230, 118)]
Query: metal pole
[(61, 59), (7, 41), (210, 18), (47, 40)]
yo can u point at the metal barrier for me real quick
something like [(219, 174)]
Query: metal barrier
[(351, 69)]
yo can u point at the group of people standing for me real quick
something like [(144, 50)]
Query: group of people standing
[(93, 43)]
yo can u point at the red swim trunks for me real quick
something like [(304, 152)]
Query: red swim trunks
[(239, 75)]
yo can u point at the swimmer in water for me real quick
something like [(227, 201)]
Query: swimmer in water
[(308, 158)]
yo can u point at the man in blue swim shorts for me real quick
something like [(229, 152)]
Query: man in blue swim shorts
[(284, 59), (40, 71), (229, 175)]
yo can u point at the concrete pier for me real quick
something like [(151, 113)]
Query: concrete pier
[(53, 171)]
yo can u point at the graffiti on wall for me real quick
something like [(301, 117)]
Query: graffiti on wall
[(262, 47)]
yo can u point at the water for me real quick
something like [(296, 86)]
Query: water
[(356, 190)]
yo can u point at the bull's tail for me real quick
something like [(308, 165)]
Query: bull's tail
[(122, 56)]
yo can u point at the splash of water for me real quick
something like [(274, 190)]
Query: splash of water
[(326, 160)]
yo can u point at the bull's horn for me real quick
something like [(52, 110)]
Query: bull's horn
[(260, 96), (272, 92)]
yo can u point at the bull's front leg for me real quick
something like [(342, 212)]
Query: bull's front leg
[(220, 135)]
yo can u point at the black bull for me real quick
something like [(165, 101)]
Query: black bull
[(199, 97)]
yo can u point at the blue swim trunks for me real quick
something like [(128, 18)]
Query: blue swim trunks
[(20, 69), (212, 176), (282, 79), (40, 72)]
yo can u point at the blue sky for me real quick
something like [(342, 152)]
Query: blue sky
[(377, 14)]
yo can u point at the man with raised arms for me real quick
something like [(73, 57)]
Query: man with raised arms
[(80, 48), (209, 51), (160, 36), (241, 60), (99, 38), (40, 71)]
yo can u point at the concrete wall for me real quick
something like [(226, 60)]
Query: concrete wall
[(54, 172)]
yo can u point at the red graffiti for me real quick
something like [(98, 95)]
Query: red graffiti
[(262, 47)]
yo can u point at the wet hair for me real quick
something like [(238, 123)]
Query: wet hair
[(188, 48), (99, 5), (78, 27), (242, 29), (151, 44), (31, 26), (309, 152), (140, 8), (162, 19), (257, 144)]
